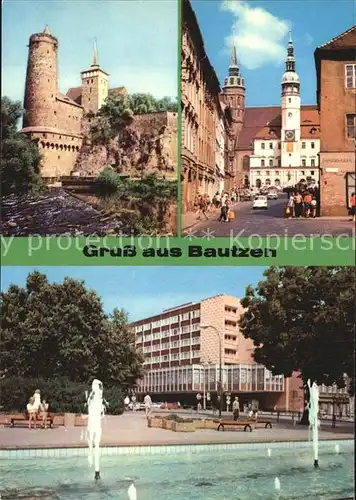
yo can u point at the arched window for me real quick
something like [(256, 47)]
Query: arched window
[(277, 182), (258, 183), (246, 181), (262, 163), (268, 182)]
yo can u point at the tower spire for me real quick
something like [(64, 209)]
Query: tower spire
[(95, 54), (46, 30), (233, 60)]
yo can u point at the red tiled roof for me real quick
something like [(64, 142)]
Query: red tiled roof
[(119, 91), (346, 40), (265, 123), (75, 93)]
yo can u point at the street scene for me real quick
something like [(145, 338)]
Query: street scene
[(256, 105), (89, 137), (248, 220), (178, 363)]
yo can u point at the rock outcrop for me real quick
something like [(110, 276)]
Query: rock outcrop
[(148, 145)]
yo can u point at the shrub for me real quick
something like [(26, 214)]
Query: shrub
[(61, 394), (108, 183)]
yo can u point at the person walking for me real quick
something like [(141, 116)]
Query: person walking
[(290, 207), (313, 207), (148, 405), (236, 408), (298, 205), (126, 403), (223, 212), (353, 206), (32, 412), (44, 413)]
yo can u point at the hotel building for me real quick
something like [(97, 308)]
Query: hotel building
[(182, 347)]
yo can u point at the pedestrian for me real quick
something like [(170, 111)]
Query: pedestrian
[(307, 204), (148, 405), (32, 412), (290, 207), (313, 207), (298, 205), (353, 206), (126, 403), (223, 212), (236, 408)]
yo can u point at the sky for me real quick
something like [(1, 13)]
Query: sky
[(137, 42), (261, 37), (145, 291)]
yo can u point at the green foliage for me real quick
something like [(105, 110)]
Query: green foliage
[(109, 183), (20, 162), (152, 188), (60, 330), (302, 319), (61, 394)]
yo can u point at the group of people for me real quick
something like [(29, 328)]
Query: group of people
[(130, 404), (223, 200), (37, 410), (252, 412), (302, 204)]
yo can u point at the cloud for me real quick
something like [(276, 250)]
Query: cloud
[(259, 36)]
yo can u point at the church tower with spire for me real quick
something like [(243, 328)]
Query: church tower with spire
[(234, 93), (95, 85), (291, 102)]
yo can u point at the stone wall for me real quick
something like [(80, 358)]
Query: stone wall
[(148, 145), (68, 116)]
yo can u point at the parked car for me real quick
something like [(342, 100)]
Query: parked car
[(272, 195), (260, 202)]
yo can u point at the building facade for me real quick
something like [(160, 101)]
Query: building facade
[(336, 96), (285, 150), (182, 347), (202, 114)]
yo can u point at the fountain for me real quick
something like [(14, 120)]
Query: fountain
[(277, 484), (269, 452), (313, 407), (96, 409), (131, 492), (337, 449)]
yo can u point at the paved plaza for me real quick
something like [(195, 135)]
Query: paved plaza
[(131, 429), (265, 222)]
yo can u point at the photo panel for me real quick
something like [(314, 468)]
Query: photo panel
[(90, 112), (111, 378), (268, 118)]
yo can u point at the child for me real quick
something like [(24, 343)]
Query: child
[(32, 412), (223, 212), (44, 413)]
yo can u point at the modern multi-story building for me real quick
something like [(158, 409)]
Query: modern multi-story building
[(182, 349), (186, 348), (202, 116), (336, 96)]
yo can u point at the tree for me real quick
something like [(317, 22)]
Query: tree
[(302, 319), (60, 330), (20, 165)]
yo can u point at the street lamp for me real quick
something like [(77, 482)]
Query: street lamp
[(206, 393), (220, 363)]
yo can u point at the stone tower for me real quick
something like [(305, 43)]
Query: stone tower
[(234, 93), (95, 85), (290, 101), (41, 80)]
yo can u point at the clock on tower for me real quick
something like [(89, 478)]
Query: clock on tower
[(289, 135)]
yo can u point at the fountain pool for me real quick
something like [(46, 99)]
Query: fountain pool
[(202, 472)]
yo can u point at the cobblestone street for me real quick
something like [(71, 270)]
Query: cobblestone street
[(266, 223)]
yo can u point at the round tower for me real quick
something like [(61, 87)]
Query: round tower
[(41, 80)]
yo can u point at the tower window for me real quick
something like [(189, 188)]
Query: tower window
[(271, 145), (262, 145), (59, 157), (289, 100), (90, 90), (313, 145)]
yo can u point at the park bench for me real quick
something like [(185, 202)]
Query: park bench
[(247, 425), (23, 417), (268, 423)]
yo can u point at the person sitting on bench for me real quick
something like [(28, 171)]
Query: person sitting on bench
[(32, 412)]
